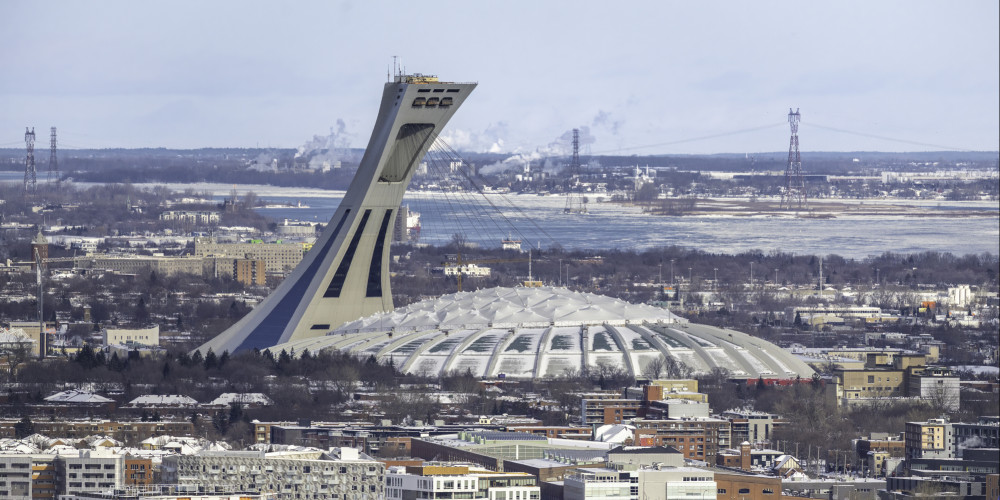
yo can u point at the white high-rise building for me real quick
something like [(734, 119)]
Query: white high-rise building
[(92, 471)]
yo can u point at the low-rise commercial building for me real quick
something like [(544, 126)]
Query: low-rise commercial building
[(140, 264)]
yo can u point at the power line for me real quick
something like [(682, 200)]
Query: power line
[(693, 139), (891, 139)]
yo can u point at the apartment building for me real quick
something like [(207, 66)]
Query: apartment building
[(931, 439), (459, 481), (342, 473), (91, 471)]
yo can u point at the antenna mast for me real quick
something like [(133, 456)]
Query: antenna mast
[(42, 347), (794, 192), (30, 174)]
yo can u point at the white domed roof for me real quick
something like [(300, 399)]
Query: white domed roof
[(546, 332), (510, 307)]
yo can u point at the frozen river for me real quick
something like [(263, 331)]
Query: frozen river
[(610, 225)]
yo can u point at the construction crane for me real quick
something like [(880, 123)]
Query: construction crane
[(459, 263)]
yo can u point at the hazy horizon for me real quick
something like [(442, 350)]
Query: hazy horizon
[(652, 78)]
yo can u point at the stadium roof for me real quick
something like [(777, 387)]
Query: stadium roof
[(548, 332)]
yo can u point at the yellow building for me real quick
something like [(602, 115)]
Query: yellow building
[(132, 336), (249, 271), (864, 385), (677, 385), (885, 375), (277, 257)]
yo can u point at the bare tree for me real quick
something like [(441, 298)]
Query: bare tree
[(654, 368), (676, 369), (13, 354)]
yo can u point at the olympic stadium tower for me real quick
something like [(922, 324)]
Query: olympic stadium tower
[(345, 276)]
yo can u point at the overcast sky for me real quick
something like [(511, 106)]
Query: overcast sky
[(641, 77)]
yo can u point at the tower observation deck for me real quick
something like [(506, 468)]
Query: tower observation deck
[(346, 274)]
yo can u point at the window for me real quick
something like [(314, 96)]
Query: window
[(744, 490)]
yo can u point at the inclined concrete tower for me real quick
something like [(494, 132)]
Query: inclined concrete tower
[(346, 274)]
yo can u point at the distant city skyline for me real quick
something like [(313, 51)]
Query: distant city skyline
[(647, 78)]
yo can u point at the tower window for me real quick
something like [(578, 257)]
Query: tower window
[(407, 148)]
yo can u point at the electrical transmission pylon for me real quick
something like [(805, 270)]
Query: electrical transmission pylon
[(794, 192), (30, 174), (574, 201), (575, 163), (53, 162)]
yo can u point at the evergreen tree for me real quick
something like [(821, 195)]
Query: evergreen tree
[(115, 363), (24, 428), (211, 361)]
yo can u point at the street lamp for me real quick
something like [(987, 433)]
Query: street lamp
[(715, 283), (776, 277), (672, 271), (751, 275)]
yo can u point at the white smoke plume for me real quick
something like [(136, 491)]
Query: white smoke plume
[(487, 141), (329, 148), (972, 442), (603, 120), (549, 158)]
